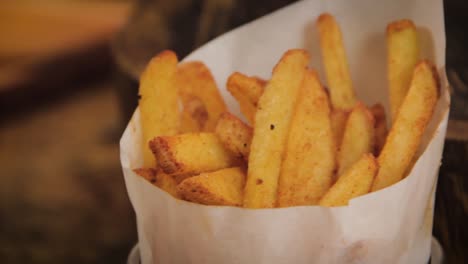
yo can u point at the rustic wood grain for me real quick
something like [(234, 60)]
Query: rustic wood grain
[(451, 210)]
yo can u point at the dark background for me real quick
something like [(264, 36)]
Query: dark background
[(68, 72)]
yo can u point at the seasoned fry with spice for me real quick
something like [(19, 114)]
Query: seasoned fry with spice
[(358, 138), (222, 187), (272, 121), (194, 79), (335, 63), (191, 154), (309, 161), (235, 135), (355, 181), (406, 133), (402, 56), (158, 101), (247, 90)]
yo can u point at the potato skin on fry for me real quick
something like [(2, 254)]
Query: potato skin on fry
[(193, 116), (406, 133), (159, 179), (158, 117), (247, 91), (235, 135), (358, 138), (195, 79), (191, 154), (335, 63), (355, 181), (402, 56), (222, 187), (272, 120), (309, 161)]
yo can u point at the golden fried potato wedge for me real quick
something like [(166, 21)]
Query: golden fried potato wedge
[(355, 181), (402, 56), (247, 91), (271, 126), (222, 187), (335, 62), (234, 134), (358, 138), (147, 173), (195, 79), (191, 154), (406, 132), (159, 179), (338, 122), (380, 127), (309, 161), (193, 116), (159, 109)]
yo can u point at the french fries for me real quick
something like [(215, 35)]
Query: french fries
[(402, 56), (405, 135), (338, 123), (358, 138), (235, 135), (380, 127), (194, 115), (306, 145), (309, 162), (335, 63), (356, 181), (158, 101), (195, 79), (247, 90), (191, 154), (222, 187), (272, 120), (159, 179)]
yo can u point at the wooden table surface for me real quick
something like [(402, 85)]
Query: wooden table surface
[(451, 210)]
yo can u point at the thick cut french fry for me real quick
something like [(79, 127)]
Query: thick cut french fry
[(247, 90), (405, 134), (338, 122), (358, 138), (335, 63), (195, 79), (193, 116), (158, 101), (309, 161), (235, 135), (191, 154), (222, 187), (356, 181), (159, 179), (272, 120), (402, 56), (187, 123), (380, 127)]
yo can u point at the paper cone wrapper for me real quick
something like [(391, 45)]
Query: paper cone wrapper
[(393, 225)]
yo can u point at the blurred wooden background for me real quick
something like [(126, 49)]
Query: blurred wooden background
[(62, 196), (46, 44)]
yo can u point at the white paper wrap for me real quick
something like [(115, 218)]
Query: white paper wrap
[(393, 225)]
